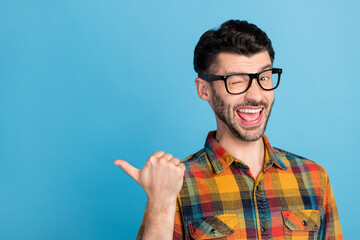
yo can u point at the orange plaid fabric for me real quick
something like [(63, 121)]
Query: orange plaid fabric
[(220, 199)]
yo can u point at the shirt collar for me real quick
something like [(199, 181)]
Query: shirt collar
[(272, 157), (220, 159)]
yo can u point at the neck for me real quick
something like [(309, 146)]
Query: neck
[(251, 153)]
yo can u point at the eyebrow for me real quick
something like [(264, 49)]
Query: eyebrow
[(268, 66)]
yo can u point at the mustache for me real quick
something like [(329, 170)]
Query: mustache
[(251, 103)]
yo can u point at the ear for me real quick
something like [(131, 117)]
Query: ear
[(203, 89)]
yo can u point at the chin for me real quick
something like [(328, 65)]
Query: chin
[(249, 134)]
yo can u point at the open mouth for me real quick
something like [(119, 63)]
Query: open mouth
[(250, 116)]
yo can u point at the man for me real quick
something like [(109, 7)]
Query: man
[(238, 186)]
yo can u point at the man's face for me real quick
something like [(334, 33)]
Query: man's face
[(245, 115)]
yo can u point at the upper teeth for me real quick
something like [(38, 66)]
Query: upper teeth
[(246, 110)]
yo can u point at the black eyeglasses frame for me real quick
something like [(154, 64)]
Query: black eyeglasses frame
[(210, 78)]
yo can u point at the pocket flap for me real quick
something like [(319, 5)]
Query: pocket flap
[(302, 220), (212, 227)]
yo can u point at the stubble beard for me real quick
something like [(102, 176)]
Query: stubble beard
[(224, 112)]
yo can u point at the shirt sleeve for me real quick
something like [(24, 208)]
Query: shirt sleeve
[(330, 223), (178, 225)]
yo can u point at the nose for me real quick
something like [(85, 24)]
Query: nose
[(255, 92)]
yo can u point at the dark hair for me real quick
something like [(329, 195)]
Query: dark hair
[(234, 36)]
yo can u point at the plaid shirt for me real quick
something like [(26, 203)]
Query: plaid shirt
[(220, 199)]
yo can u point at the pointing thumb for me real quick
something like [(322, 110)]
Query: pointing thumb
[(129, 169)]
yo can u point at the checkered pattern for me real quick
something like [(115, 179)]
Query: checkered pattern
[(220, 199)]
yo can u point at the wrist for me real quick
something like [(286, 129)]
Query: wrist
[(158, 207)]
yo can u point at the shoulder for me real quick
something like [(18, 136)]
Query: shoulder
[(298, 163), (196, 158), (197, 166)]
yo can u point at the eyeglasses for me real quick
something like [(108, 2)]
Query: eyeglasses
[(238, 83)]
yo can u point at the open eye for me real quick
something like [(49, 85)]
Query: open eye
[(265, 77)]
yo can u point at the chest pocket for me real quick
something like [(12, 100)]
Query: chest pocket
[(301, 220), (212, 227)]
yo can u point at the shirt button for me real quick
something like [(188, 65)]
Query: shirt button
[(212, 231), (263, 229), (304, 223)]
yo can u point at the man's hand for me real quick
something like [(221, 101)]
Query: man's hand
[(161, 177)]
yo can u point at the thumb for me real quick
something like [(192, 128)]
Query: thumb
[(129, 169)]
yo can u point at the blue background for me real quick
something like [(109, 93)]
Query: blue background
[(83, 83)]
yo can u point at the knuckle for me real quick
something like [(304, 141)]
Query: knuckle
[(178, 171), (149, 163), (157, 153), (161, 161), (182, 167), (152, 159), (167, 155)]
